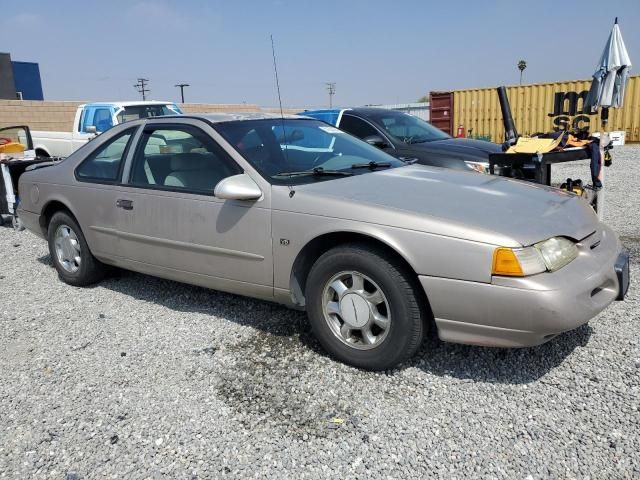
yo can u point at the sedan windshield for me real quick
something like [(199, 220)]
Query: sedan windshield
[(407, 128), (295, 151)]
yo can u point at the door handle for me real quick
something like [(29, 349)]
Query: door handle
[(125, 204)]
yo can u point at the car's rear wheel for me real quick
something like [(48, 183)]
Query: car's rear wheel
[(364, 307), (70, 253)]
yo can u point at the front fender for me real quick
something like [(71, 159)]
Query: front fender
[(427, 254)]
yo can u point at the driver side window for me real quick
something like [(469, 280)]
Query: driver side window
[(180, 159)]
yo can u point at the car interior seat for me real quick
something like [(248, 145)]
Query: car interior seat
[(196, 171)]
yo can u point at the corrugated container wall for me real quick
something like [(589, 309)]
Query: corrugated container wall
[(543, 108), (440, 104)]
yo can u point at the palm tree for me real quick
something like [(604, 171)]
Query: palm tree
[(521, 66)]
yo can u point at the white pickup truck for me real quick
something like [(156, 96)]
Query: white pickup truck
[(95, 118)]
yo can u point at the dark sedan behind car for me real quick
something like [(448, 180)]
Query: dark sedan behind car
[(410, 138)]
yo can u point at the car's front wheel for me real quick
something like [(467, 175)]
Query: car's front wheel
[(70, 253), (364, 307)]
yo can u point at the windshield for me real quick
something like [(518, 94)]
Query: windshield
[(407, 128), (301, 146), (135, 112)]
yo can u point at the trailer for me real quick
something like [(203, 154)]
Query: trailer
[(16, 155)]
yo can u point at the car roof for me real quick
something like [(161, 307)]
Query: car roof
[(350, 109), (333, 115), (371, 110), (221, 117)]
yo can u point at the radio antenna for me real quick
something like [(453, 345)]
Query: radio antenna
[(275, 69)]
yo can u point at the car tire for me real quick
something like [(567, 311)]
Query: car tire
[(70, 253), (379, 320)]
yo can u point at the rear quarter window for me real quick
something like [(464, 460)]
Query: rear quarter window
[(104, 165)]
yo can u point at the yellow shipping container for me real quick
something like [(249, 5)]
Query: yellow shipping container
[(543, 107)]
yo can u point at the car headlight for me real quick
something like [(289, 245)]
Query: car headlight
[(480, 167), (557, 252), (550, 255)]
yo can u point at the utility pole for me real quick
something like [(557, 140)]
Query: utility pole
[(331, 88), (140, 86), (181, 87)]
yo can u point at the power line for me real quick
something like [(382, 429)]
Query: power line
[(140, 86), (181, 87), (331, 88)]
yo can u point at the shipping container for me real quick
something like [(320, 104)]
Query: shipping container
[(542, 107), (441, 113)]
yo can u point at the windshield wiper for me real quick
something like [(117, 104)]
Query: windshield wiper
[(317, 172), (371, 165)]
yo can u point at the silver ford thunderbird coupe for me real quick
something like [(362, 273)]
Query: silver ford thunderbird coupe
[(292, 210)]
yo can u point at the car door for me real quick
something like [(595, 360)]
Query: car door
[(94, 195), (172, 225)]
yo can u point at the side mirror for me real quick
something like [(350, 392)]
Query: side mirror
[(238, 187), (376, 141), (91, 129)]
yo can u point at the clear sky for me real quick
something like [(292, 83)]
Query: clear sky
[(375, 51)]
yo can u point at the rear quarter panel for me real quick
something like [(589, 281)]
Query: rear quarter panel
[(86, 201)]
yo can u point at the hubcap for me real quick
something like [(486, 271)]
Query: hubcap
[(356, 310), (67, 248)]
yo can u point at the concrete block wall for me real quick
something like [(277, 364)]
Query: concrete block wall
[(59, 116), (38, 115)]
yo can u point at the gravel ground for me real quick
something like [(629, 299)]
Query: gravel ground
[(144, 378)]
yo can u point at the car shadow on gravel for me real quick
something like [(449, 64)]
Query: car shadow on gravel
[(498, 365), (482, 364), (181, 297)]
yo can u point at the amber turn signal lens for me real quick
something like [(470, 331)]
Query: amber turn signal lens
[(505, 262)]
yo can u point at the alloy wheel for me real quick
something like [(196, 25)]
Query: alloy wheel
[(67, 248), (356, 310)]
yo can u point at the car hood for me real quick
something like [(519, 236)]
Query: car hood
[(463, 147), (440, 201)]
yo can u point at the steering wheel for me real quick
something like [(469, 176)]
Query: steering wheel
[(5, 140)]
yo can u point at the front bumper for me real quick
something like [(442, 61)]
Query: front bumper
[(521, 312)]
